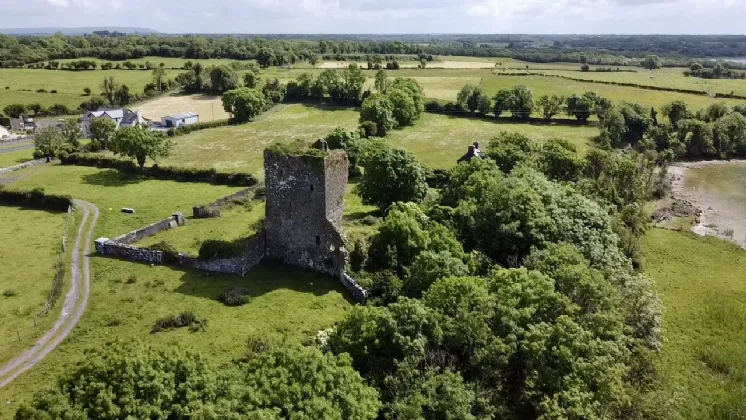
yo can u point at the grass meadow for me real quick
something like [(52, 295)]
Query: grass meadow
[(235, 222), (127, 298), (241, 147), (152, 200), (14, 158), (555, 86), (29, 243), (439, 140), (703, 288), (24, 83)]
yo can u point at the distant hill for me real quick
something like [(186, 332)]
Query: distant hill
[(74, 31)]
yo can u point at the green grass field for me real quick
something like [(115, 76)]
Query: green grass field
[(16, 157), (152, 200), (29, 243), (127, 298), (68, 84), (234, 223), (703, 288), (241, 147), (666, 77), (555, 86), (439, 140)]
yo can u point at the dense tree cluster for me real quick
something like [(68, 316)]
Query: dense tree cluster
[(344, 86), (287, 50), (273, 383), (396, 105), (718, 71), (140, 143)]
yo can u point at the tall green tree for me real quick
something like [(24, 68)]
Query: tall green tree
[(243, 103), (501, 102), (109, 88), (676, 112), (521, 102), (382, 82), (159, 76), (72, 132), (379, 110), (102, 130), (391, 175), (140, 143), (14, 110), (223, 78), (651, 62), (549, 106), (47, 141)]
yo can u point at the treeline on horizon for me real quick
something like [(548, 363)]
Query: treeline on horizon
[(600, 50)]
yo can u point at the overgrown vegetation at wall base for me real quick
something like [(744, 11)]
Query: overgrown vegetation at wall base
[(35, 199), (171, 173)]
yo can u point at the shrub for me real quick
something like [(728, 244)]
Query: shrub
[(170, 254), (132, 279), (36, 199), (217, 249), (171, 173), (10, 293), (184, 319), (235, 296)]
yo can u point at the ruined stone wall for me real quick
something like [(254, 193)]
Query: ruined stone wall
[(336, 171), (176, 219), (22, 165), (213, 209), (299, 232), (357, 291), (241, 265), (108, 247)]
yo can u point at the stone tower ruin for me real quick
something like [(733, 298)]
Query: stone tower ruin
[(305, 190)]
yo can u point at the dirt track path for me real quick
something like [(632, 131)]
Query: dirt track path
[(75, 303)]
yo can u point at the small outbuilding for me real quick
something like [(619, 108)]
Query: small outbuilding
[(179, 120)]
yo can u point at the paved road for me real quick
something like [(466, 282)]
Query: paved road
[(75, 303)]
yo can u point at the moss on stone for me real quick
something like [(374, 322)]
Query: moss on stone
[(298, 148)]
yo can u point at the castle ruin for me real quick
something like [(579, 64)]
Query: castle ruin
[(305, 189), (305, 204)]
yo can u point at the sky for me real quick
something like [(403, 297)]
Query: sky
[(386, 16)]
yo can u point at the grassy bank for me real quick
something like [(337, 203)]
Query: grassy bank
[(703, 287)]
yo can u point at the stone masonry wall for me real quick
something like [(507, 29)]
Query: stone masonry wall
[(208, 210), (22, 165), (120, 246), (177, 219), (304, 210), (108, 247), (241, 265), (303, 195)]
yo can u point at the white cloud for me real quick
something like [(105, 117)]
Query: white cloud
[(386, 16)]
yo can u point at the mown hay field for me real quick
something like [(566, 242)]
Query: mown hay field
[(209, 108)]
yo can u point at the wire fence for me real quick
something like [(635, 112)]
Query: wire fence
[(59, 274), (17, 140), (57, 284)]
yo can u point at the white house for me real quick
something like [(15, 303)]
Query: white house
[(121, 117), (179, 120)]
